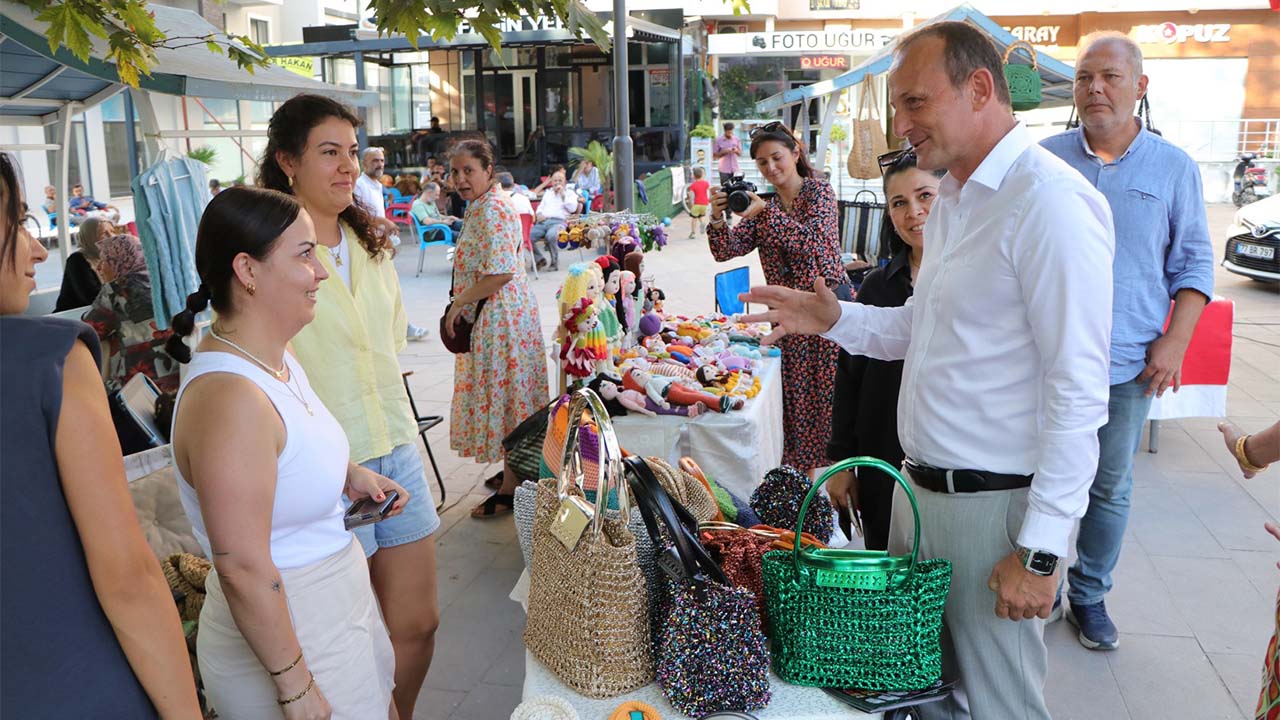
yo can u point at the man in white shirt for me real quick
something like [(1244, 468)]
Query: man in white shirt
[(1006, 374), (558, 203), (368, 185), (368, 193)]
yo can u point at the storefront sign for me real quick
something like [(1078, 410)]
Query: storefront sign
[(810, 42), (1036, 34), (300, 65), (1170, 33), (522, 24), (659, 78), (824, 62)]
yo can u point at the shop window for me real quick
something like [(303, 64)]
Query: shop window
[(420, 89), (636, 96), (659, 53), (560, 98), (260, 112), (116, 136), (635, 53), (661, 97), (400, 117), (77, 154)]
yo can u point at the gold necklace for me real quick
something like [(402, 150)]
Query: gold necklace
[(278, 374)]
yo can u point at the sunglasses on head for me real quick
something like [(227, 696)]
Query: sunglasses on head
[(891, 159), (775, 126)]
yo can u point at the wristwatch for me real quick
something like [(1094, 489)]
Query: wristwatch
[(1038, 562)]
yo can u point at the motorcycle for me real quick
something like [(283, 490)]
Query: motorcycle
[(1249, 182)]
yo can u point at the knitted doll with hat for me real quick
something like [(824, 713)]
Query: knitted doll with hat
[(611, 272)]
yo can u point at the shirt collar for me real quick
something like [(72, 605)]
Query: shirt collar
[(996, 164), (900, 261), (1134, 145)]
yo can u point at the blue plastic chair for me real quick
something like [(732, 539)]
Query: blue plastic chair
[(446, 237), (728, 285)]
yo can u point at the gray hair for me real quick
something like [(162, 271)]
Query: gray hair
[(1111, 36), (364, 154), (431, 186), (506, 180)]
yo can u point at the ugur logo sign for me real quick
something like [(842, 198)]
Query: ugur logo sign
[(1171, 33)]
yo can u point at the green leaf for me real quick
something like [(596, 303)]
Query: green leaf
[(77, 40), (214, 47)]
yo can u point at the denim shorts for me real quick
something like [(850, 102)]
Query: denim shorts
[(418, 519)]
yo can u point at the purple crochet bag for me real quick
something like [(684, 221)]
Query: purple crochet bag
[(710, 649)]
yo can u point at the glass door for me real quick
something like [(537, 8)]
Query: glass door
[(525, 117), (509, 117)]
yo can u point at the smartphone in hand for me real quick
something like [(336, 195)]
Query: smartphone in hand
[(368, 510)]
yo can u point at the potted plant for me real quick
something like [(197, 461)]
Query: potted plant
[(599, 156)]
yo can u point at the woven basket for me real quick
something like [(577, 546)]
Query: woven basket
[(588, 600), (856, 618)]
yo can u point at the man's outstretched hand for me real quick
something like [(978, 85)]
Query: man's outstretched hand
[(794, 312)]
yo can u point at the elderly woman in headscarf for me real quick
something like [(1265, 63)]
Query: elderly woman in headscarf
[(80, 282), (123, 317)]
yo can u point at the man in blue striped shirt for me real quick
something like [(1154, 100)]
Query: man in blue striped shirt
[(1162, 252)]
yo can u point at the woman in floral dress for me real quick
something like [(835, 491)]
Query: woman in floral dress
[(796, 234), (503, 379)]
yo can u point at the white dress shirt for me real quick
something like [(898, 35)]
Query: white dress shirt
[(1006, 339), (369, 193), (558, 206), (521, 203)]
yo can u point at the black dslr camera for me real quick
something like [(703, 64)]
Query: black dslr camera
[(737, 190)]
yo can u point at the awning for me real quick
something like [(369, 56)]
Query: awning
[(1057, 77), (645, 31), (37, 82)]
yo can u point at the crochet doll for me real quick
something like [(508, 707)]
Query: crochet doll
[(634, 261), (626, 307), (611, 273), (619, 401), (667, 391), (584, 346), (653, 299)]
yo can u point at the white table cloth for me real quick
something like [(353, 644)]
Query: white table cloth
[(735, 448)]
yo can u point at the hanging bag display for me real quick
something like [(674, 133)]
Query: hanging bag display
[(869, 142), (1023, 80), (856, 618), (588, 617), (710, 651)]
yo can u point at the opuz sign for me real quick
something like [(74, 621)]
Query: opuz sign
[(1170, 33)]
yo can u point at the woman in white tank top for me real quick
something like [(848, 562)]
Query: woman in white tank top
[(290, 627)]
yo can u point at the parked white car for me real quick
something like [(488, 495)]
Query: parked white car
[(1253, 241)]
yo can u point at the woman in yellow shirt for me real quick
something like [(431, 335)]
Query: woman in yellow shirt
[(349, 353)]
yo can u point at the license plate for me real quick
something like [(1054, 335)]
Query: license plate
[(1261, 252)]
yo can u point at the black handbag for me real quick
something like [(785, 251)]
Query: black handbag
[(460, 341)]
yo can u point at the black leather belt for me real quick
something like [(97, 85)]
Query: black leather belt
[(963, 481)]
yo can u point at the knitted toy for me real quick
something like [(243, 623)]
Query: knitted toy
[(610, 314), (626, 305), (584, 343)]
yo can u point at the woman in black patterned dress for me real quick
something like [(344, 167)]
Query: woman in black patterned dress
[(796, 234)]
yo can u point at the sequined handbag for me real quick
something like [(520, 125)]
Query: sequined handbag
[(856, 618), (588, 620), (710, 651), (777, 501)]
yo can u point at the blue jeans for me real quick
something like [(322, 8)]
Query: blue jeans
[(418, 519), (1102, 528)]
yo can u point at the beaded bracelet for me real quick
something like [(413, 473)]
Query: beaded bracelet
[(1243, 458), (289, 667), (310, 684)]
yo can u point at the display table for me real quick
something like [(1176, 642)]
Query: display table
[(790, 702), (735, 448)]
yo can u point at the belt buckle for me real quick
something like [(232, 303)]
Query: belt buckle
[(951, 482)]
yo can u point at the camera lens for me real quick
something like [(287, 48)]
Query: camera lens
[(739, 200)]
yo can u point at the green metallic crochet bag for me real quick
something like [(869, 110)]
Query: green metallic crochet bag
[(856, 618)]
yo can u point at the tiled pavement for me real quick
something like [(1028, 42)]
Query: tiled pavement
[(1194, 591)]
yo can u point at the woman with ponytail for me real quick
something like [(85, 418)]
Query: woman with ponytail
[(350, 354), (90, 629), (289, 625)]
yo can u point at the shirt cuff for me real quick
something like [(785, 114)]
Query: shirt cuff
[(1042, 531), (846, 330)]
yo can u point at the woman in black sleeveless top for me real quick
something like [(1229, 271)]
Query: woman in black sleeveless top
[(90, 629)]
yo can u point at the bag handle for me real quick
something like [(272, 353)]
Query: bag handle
[(686, 557), (608, 467), (1022, 44), (854, 561)]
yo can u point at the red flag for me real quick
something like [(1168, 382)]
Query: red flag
[(1275, 5)]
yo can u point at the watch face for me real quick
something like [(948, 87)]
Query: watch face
[(1042, 563)]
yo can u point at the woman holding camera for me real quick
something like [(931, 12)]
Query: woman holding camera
[(796, 234)]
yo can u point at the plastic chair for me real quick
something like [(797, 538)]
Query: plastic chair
[(425, 423), (526, 226), (728, 284), (399, 212), (446, 237)]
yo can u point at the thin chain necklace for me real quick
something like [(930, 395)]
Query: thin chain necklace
[(278, 374)]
